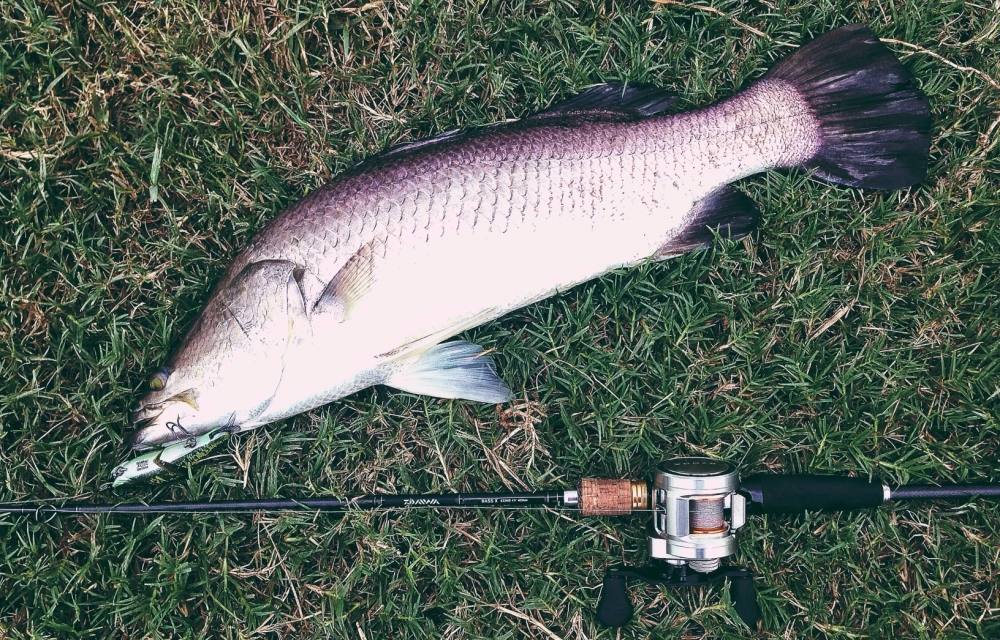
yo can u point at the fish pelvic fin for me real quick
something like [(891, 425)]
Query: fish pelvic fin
[(726, 212), (428, 341), (874, 122), (456, 369)]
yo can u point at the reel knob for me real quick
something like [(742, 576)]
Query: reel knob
[(614, 609), (744, 597)]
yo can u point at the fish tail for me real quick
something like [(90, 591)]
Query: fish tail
[(874, 123)]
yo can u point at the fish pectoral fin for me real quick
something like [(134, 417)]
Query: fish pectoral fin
[(726, 211), (457, 369), (614, 99), (348, 286)]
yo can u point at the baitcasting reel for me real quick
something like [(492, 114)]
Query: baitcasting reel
[(697, 509)]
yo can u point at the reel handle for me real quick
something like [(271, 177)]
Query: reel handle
[(806, 492), (614, 609), (612, 496)]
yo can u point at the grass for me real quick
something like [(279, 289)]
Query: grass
[(142, 143)]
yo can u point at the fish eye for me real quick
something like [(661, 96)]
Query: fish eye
[(159, 379)]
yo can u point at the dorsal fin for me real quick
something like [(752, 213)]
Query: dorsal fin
[(634, 100), (607, 101), (408, 147)]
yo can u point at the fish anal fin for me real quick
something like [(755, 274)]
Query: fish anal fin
[(726, 211), (349, 285), (457, 370)]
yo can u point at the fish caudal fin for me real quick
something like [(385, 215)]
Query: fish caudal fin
[(875, 123), (456, 369)]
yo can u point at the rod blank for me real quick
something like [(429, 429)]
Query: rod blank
[(515, 500), (932, 492)]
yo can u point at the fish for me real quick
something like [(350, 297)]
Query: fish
[(366, 280)]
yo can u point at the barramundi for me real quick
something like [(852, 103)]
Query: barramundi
[(365, 281)]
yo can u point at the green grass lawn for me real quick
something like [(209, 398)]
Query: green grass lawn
[(143, 143)]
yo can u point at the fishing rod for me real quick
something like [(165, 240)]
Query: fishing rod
[(697, 506)]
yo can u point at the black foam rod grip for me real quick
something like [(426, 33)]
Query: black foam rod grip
[(797, 493), (614, 609), (744, 596)]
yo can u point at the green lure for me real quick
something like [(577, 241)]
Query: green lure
[(151, 465)]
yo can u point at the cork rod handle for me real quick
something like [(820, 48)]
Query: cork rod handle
[(612, 496)]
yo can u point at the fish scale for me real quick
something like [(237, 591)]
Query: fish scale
[(362, 281)]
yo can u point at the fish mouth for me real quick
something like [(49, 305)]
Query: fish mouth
[(145, 413), (138, 440), (135, 443), (142, 418)]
